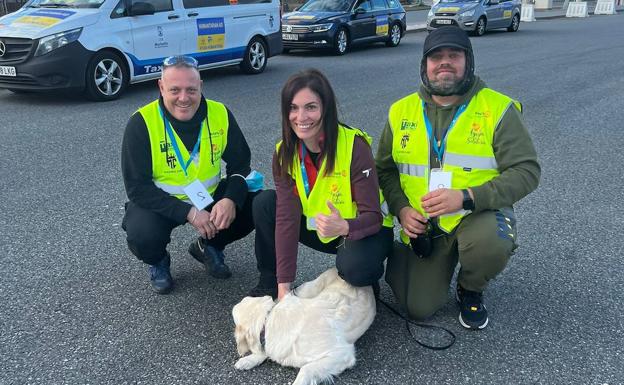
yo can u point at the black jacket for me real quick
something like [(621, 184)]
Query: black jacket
[(136, 164)]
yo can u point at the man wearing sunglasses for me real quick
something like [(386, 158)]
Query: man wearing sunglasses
[(171, 165)]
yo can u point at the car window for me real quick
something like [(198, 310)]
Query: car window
[(393, 3), (326, 5), (378, 5), (364, 4), (159, 5)]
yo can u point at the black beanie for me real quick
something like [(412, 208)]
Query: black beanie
[(449, 37)]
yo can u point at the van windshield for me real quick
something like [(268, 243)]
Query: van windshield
[(66, 3), (326, 6)]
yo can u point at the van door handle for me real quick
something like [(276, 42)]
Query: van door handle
[(171, 17), (193, 14)]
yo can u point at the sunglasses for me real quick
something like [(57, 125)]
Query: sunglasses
[(180, 60)]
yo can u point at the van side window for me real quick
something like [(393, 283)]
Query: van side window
[(159, 5), (119, 10), (204, 3)]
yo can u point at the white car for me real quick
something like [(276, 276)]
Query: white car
[(476, 16), (100, 46)]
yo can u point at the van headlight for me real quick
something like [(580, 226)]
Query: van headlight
[(52, 42), (467, 13), (320, 27)]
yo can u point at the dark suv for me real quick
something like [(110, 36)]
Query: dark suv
[(336, 24)]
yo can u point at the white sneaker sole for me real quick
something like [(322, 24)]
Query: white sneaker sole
[(461, 321)]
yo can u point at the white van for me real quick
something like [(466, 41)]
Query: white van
[(100, 46)]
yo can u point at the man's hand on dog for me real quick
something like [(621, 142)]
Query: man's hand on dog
[(331, 225)]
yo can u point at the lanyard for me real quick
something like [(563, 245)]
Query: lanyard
[(175, 146), (439, 148), (304, 173)]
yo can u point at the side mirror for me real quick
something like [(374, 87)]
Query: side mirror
[(141, 8)]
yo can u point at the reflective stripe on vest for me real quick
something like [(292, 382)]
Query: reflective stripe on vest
[(335, 187), (469, 154), (166, 171)]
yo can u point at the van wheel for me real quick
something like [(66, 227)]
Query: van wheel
[(394, 37), (515, 23), (106, 77), (480, 28), (341, 42), (255, 58)]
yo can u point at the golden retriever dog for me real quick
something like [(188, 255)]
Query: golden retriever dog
[(313, 328)]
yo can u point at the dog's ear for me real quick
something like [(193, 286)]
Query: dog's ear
[(241, 340)]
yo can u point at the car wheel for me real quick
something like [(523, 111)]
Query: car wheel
[(341, 42), (255, 59), (515, 23), (106, 77), (394, 37), (480, 28)]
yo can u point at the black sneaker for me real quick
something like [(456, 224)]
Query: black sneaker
[(262, 291), (160, 276), (472, 311), (213, 259)]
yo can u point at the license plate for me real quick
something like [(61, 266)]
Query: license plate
[(7, 71), (290, 36), (443, 21)]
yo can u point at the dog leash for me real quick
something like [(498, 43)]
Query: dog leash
[(422, 325)]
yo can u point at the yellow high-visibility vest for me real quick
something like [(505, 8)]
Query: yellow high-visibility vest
[(468, 155), (335, 187), (167, 172)]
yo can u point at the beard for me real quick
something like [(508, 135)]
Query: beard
[(446, 87)]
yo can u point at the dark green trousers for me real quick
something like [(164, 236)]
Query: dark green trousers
[(482, 244)]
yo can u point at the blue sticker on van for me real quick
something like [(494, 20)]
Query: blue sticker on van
[(210, 34), (150, 66)]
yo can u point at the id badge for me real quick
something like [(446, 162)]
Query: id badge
[(198, 194), (439, 179)]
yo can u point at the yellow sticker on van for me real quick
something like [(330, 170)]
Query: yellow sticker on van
[(210, 34), (507, 14), (44, 18), (448, 9)]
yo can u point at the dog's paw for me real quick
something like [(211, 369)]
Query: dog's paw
[(249, 362)]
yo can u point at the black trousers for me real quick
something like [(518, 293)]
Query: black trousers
[(148, 233), (358, 262)]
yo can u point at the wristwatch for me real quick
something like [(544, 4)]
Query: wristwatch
[(468, 203)]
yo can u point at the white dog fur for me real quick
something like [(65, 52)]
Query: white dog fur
[(313, 329)]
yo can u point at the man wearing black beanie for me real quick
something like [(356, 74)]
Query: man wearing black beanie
[(452, 160)]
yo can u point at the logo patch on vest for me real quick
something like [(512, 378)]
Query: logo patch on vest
[(335, 194), (408, 125), (483, 114), (404, 139), (476, 135)]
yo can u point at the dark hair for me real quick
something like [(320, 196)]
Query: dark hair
[(317, 83)]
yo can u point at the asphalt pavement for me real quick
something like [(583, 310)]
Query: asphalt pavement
[(77, 308)]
